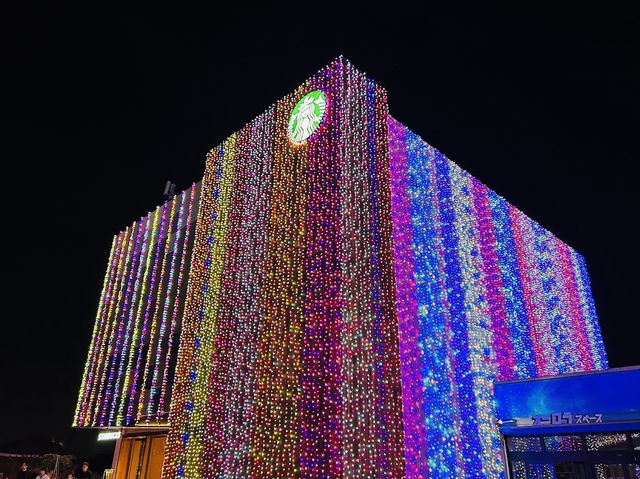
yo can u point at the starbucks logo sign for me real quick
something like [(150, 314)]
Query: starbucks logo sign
[(306, 116)]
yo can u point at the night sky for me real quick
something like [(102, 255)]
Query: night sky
[(104, 104)]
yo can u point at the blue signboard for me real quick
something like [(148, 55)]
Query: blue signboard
[(594, 401)]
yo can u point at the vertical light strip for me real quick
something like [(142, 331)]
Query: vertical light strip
[(589, 310), (320, 399), (186, 228), (455, 297), (181, 404), (569, 342), (216, 397), (391, 435), (195, 443), (518, 323), (415, 429), (551, 302), (478, 317), (171, 248), (241, 395), (138, 263), (451, 346), (106, 349), (131, 331), (275, 443), (146, 399), (578, 328), (137, 397), (100, 345), (98, 355), (433, 335), (121, 318), (131, 376), (495, 293), (532, 291), (78, 419)]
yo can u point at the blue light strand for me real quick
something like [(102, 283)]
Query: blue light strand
[(516, 311)]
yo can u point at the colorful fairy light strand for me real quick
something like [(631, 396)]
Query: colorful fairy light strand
[(110, 397), (186, 237), (124, 375), (145, 408), (168, 299), (140, 331), (112, 323), (88, 367)]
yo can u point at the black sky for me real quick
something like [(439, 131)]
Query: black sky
[(105, 103)]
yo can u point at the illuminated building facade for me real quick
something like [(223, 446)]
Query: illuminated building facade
[(343, 296)]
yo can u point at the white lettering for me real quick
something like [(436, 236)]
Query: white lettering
[(108, 436)]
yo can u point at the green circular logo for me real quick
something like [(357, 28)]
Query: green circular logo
[(306, 116)]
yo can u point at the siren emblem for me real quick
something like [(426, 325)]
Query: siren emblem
[(306, 116)]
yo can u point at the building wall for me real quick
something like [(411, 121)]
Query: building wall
[(289, 365), (484, 293), (342, 306), (128, 373)]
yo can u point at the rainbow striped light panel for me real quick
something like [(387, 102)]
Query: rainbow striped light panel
[(350, 296), (128, 375)]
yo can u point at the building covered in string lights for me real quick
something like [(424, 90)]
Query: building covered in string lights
[(335, 298)]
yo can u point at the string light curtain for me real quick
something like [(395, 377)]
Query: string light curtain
[(484, 293), (128, 373), (337, 299), (289, 363)]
